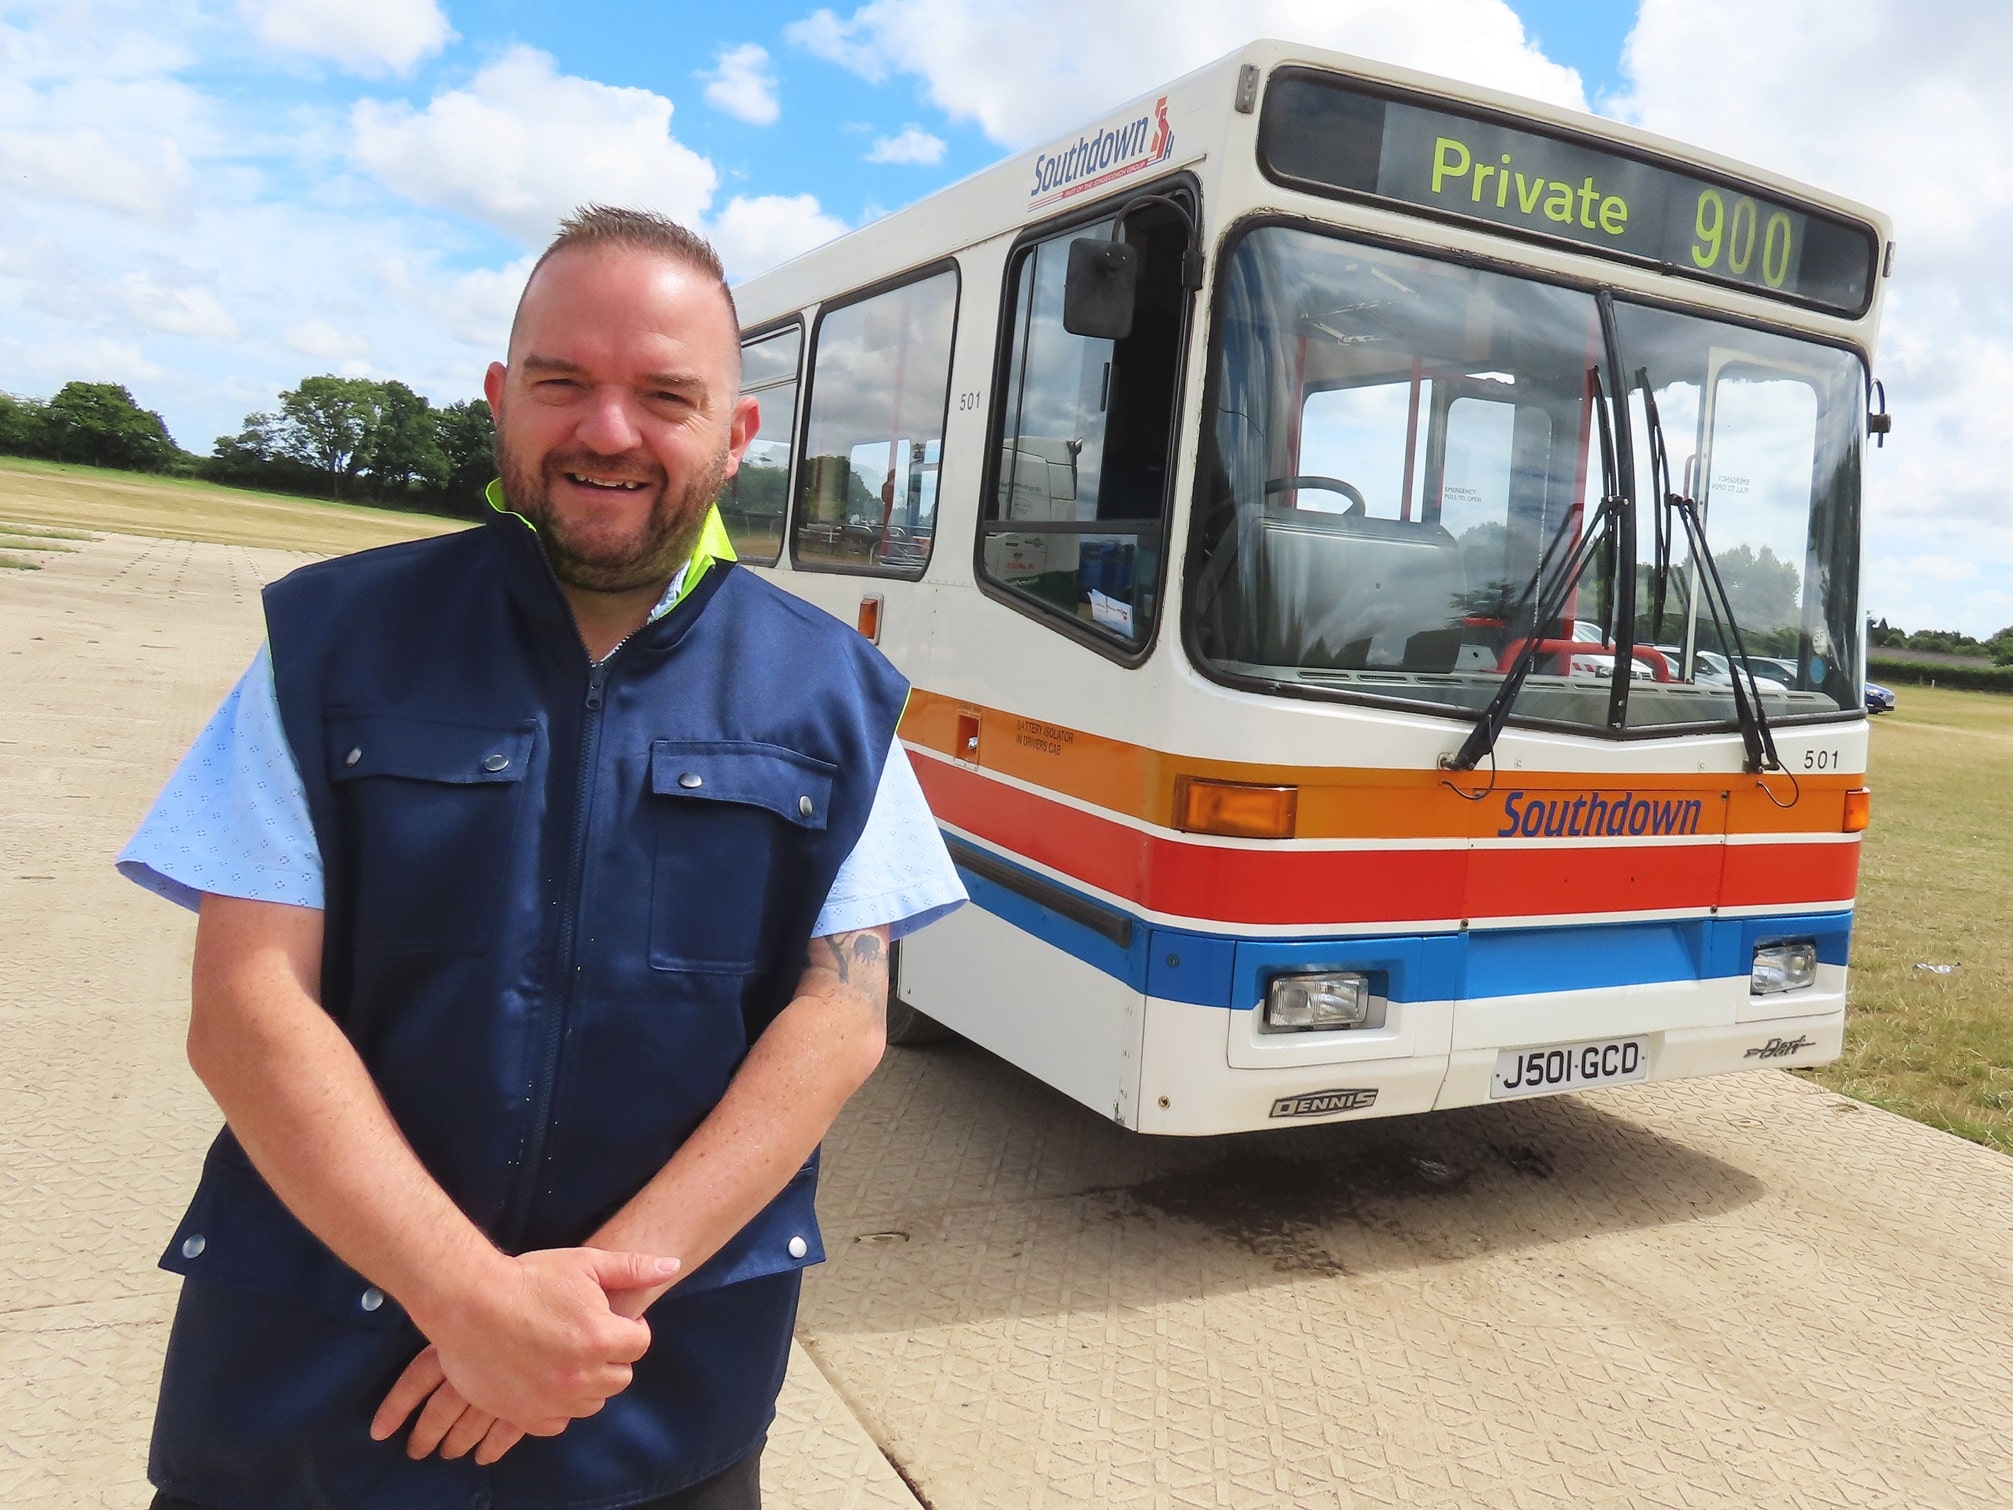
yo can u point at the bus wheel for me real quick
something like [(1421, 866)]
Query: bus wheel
[(906, 1026)]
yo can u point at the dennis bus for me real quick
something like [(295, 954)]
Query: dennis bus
[(1331, 517)]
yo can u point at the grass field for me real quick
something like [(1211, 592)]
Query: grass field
[(48, 498), (1936, 888), (1936, 885)]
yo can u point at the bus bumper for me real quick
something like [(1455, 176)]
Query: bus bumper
[(1438, 1055)]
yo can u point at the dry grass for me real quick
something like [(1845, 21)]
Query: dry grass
[(46, 494), (1936, 887), (31, 532)]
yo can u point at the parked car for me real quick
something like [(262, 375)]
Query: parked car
[(1878, 699)]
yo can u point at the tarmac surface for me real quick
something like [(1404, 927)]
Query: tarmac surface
[(1738, 1292)]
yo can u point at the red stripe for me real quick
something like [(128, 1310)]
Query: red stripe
[(1287, 887), (1765, 875)]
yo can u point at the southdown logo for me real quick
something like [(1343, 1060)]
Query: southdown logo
[(1594, 815), (1101, 157)]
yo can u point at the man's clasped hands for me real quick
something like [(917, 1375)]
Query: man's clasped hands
[(529, 1344)]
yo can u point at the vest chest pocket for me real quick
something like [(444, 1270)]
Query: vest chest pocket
[(735, 821), (430, 812)]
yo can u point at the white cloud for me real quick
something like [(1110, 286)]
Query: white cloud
[(1941, 568), (824, 35), (744, 85), (1066, 65), (92, 114), (320, 339), (185, 311), (136, 173), (524, 145), (913, 145), (476, 307), (1938, 156), (92, 359), (754, 234), (364, 36)]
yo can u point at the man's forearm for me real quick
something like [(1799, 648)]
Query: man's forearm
[(307, 1112), (797, 1076)]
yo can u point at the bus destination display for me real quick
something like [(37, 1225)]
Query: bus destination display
[(1321, 133)]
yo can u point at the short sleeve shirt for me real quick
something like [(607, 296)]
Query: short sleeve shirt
[(233, 820)]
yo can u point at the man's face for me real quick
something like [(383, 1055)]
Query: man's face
[(618, 416)]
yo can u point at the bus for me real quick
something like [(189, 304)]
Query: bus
[(1330, 517)]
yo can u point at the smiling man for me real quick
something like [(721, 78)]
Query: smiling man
[(546, 876)]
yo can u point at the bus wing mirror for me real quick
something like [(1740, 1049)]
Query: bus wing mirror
[(1101, 290)]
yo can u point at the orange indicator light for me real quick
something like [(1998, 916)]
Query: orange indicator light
[(1234, 808), (1858, 810), (870, 617)]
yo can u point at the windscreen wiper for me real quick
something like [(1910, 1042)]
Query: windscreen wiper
[(1602, 531), (1755, 735)]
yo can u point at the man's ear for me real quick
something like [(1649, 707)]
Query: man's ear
[(741, 431), (492, 388)]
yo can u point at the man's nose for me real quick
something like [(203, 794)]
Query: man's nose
[(608, 427)]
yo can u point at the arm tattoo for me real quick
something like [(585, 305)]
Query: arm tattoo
[(855, 953)]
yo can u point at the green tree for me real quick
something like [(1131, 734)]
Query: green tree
[(21, 427), (100, 425), (401, 450), (467, 438), (254, 446), (326, 424), (1763, 588)]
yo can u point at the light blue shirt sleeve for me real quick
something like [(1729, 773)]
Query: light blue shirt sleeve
[(899, 872), (233, 819)]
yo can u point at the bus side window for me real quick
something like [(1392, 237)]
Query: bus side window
[(1073, 526), (879, 385), (754, 500)]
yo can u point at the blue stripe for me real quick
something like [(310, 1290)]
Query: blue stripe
[(1221, 970)]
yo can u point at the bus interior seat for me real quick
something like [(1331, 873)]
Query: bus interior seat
[(1346, 592)]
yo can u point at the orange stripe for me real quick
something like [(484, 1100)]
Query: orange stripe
[(1268, 886), (1348, 802)]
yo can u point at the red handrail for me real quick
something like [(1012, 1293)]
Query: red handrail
[(1655, 659)]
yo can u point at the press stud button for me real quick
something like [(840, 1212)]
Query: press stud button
[(798, 1247), (805, 807), (193, 1245), (353, 757), (689, 780), (496, 763), (372, 1298)]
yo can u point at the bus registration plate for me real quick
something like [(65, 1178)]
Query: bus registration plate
[(1569, 1067)]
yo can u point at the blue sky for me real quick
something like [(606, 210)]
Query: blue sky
[(209, 199)]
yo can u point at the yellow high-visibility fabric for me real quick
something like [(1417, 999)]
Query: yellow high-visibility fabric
[(715, 544)]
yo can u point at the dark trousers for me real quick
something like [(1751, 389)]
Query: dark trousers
[(736, 1488)]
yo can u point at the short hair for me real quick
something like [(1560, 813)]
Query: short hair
[(598, 225)]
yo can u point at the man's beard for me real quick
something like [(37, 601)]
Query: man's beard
[(664, 543)]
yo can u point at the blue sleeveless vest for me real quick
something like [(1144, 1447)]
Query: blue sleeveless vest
[(561, 901)]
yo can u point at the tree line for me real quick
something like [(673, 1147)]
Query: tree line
[(356, 440), (1998, 649)]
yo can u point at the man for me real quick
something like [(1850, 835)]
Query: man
[(546, 875)]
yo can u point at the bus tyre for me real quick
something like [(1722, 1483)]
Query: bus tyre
[(906, 1026)]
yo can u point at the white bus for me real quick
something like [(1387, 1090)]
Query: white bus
[(1327, 514)]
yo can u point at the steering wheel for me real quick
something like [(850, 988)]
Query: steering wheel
[(1358, 504)]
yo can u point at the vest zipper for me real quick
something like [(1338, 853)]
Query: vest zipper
[(547, 1085)]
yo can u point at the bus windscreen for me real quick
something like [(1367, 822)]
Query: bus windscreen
[(1324, 134)]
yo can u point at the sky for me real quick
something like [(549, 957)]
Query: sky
[(207, 200)]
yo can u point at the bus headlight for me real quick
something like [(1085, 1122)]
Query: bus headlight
[(1309, 1003), (1786, 966)]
